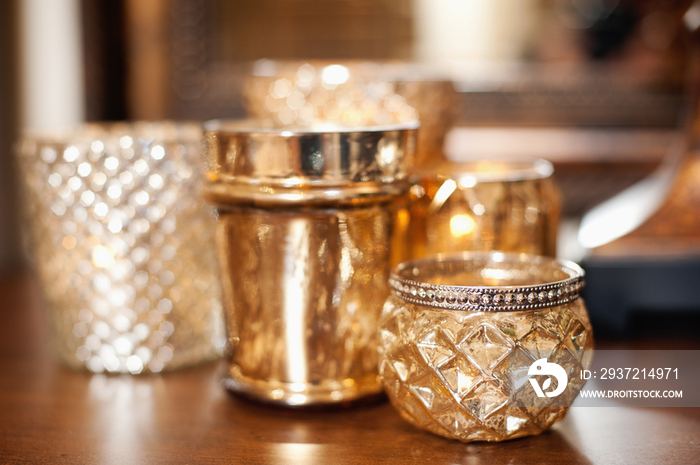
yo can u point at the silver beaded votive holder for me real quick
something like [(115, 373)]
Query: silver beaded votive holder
[(122, 245)]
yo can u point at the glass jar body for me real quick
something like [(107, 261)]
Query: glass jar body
[(307, 218), (450, 371), (121, 244), (481, 206), (304, 290)]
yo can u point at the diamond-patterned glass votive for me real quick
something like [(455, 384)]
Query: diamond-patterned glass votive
[(122, 245), (460, 336), (507, 205)]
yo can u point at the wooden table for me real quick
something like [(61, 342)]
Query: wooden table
[(50, 414)]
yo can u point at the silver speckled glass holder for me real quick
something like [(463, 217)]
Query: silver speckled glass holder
[(122, 246)]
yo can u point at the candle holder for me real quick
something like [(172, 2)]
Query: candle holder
[(356, 93), (507, 205), (307, 219), (121, 244), (462, 333)]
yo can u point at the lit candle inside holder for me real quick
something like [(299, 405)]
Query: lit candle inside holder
[(511, 206), (307, 222), (121, 243)]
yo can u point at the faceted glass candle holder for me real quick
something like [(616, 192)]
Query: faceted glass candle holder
[(122, 245), (506, 205), (461, 332)]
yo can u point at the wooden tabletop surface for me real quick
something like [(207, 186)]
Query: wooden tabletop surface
[(50, 414)]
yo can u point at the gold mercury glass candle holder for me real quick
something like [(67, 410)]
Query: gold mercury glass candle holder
[(507, 205), (307, 219), (461, 333), (121, 243)]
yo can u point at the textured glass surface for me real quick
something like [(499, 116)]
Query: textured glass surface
[(304, 292), (355, 94), (447, 371), (122, 246), (450, 212)]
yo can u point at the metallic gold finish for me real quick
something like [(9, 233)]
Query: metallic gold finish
[(356, 93), (659, 216), (447, 370), (306, 224), (511, 206), (121, 243), (246, 152)]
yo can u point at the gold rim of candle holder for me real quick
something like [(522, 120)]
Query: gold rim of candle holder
[(249, 152), (148, 132), (470, 172), (486, 298)]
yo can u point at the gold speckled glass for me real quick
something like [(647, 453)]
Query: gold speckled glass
[(459, 329), (511, 206), (122, 245), (306, 225)]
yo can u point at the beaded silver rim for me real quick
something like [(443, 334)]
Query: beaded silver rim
[(487, 298)]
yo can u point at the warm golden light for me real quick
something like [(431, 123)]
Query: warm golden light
[(102, 257), (68, 242), (335, 74), (441, 196), (461, 225), (491, 205)]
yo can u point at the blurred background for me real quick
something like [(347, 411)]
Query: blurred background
[(595, 86)]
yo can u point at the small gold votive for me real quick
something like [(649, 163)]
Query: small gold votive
[(307, 219), (121, 243), (506, 205), (462, 334)]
